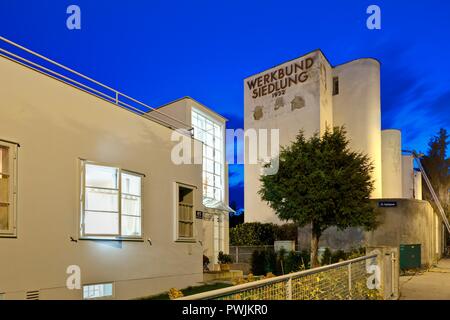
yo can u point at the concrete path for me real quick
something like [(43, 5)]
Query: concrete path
[(433, 284)]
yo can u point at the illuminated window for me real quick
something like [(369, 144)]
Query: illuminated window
[(8, 187), (111, 202), (98, 291), (210, 132), (185, 212)]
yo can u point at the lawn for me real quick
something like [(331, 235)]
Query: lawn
[(191, 290)]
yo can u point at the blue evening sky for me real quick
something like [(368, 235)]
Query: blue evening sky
[(158, 51)]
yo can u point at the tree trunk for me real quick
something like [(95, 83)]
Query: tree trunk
[(315, 235)]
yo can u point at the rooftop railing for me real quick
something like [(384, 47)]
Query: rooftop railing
[(35, 61)]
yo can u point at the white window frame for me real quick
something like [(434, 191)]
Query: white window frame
[(11, 232), (99, 284), (221, 175), (119, 236), (179, 238)]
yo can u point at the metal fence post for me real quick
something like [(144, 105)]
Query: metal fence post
[(289, 289), (350, 280), (237, 254)]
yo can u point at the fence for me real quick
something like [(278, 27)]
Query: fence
[(340, 281)]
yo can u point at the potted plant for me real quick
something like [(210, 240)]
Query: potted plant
[(224, 261)]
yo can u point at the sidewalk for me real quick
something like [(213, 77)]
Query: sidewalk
[(431, 285)]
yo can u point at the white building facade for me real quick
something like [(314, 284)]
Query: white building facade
[(310, 94), (89, 191), (208, 128)]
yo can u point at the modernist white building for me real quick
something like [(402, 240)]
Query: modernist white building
[(208, 127), (87, 183), (310, 94)]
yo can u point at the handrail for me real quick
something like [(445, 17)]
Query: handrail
[(260, 283), (115, 98)]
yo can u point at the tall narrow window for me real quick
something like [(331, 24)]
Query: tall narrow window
[(218, 236), (210, 132), (111, 202), (8, 196), (185, 212), (335, 86)]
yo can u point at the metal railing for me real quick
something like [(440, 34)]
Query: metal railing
[(88, 85), (340, 281)]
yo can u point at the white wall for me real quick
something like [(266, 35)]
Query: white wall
[(408, 177), (56, 125), (311, 119), (391, 144), (417, 185), (357, 107)]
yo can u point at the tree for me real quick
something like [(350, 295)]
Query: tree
[(321, 183), (436, 165)]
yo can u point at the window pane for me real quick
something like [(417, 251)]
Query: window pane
[(209, 140), (131, 184), (4, 194), (4, 219), (217, 131), (210, 166), (102, 177), (131, 226), (210, 179), (4, 160), (217, 194), (218, 156), (217, 169), (101, 200), (210, 192), (96, 291), (101, 223), (209, 152), (217, 182), (131, 205), (186, 229)]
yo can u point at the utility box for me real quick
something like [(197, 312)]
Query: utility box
[(410, 256), (287, 245)]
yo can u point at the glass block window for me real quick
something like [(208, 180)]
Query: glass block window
[(210, 132)]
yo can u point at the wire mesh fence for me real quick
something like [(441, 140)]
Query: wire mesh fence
[(341, 281)]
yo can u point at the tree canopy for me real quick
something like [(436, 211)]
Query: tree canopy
[(322, 183)]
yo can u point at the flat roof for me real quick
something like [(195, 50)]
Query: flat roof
[(168, 104)]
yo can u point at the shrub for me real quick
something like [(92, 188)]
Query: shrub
[(224, 258), (259, 234), (272, 264), (293, 262), (258, 262), (326, 257)]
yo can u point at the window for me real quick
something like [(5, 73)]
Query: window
[(8, 188), (335, 86), (185, 212), (210, 132), (111, 202), (218, 236), (98, 291)]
